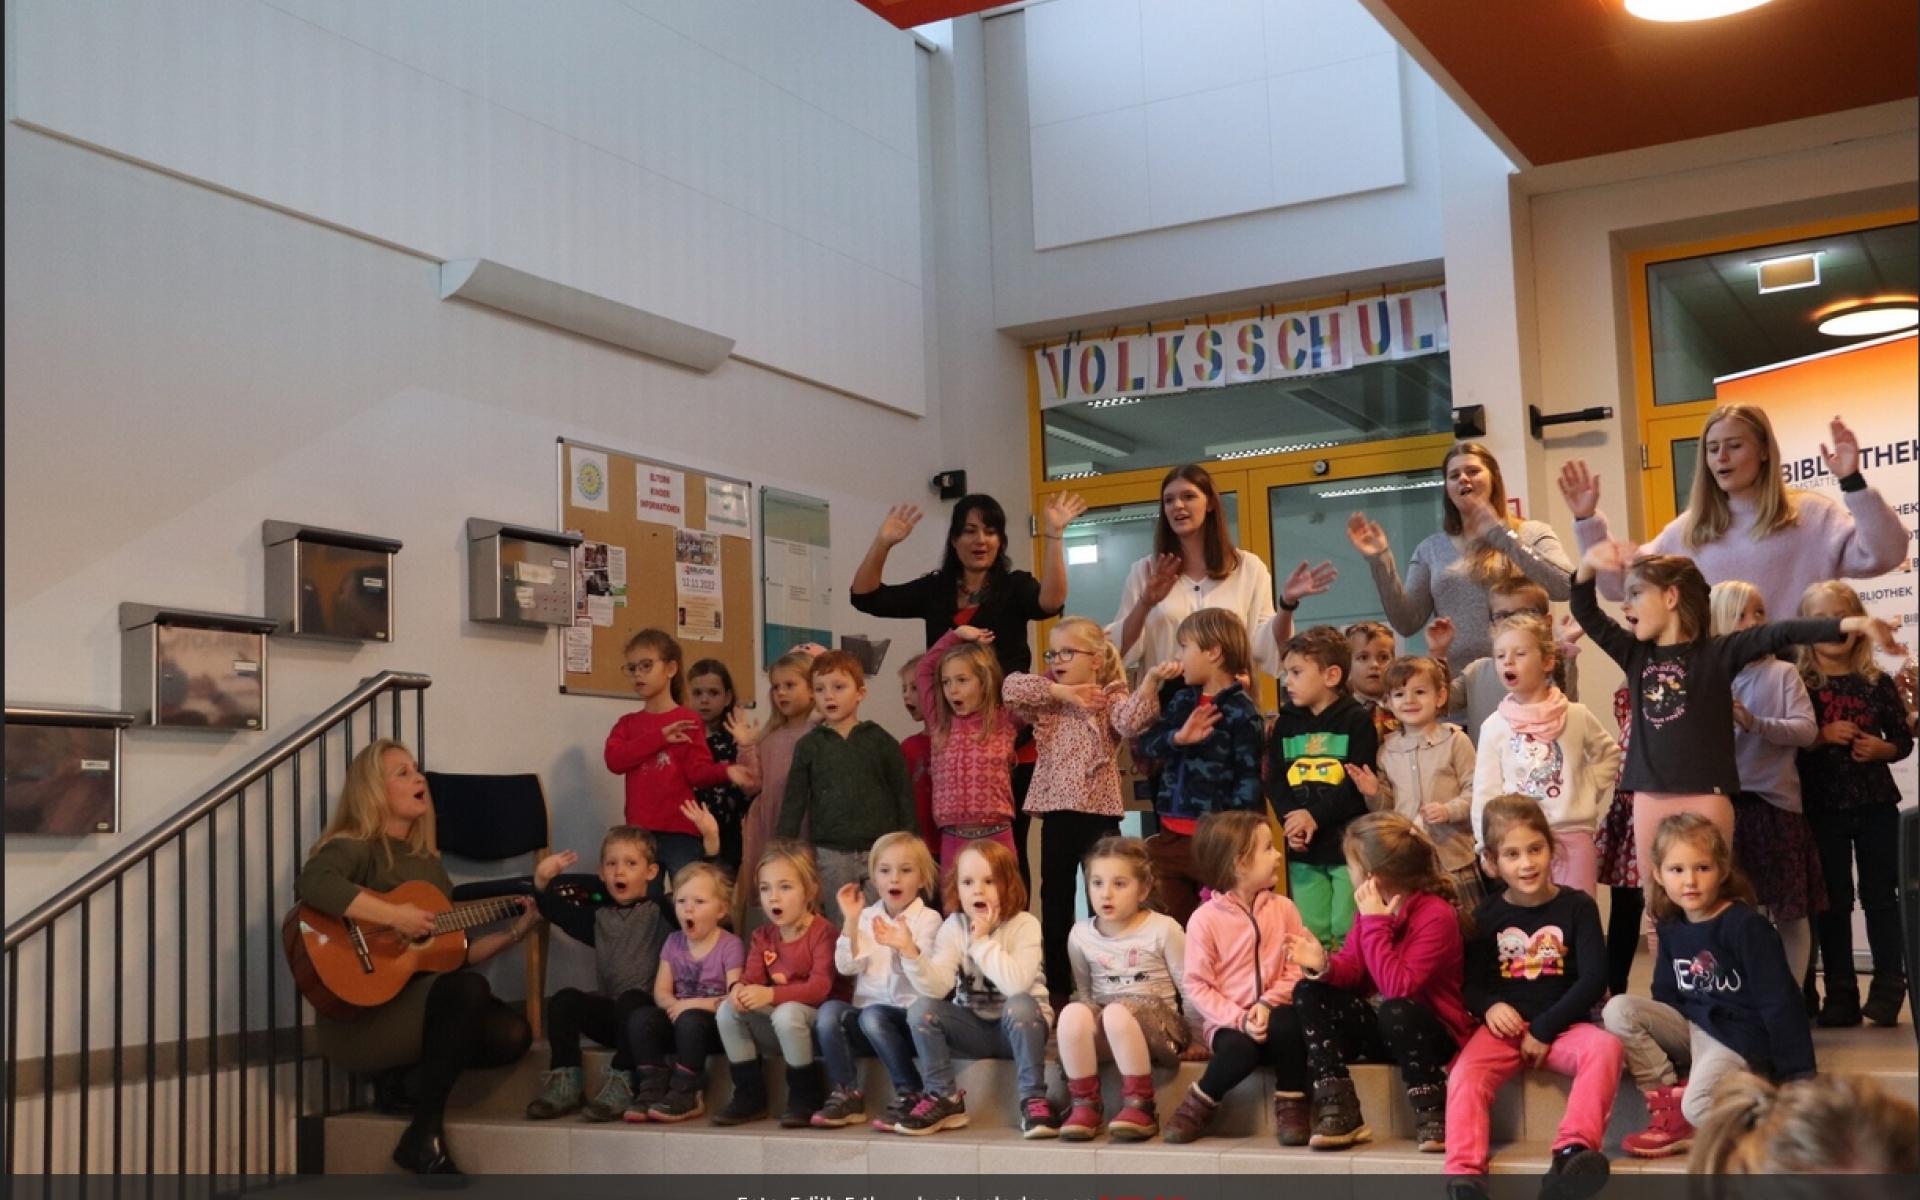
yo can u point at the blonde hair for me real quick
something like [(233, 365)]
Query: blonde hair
[(1131, 851), (981, 660), (1694, 830), (1708, 514), (361, 812), (1092, 636), (917, 851), (722, 886), (1486, 565), (1828, 1123), (1728, 601), (800, 663), (799, 856), (1535, 628), (1860, 660)]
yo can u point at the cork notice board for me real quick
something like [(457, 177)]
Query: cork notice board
[(656, 537)]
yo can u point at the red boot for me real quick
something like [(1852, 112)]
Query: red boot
[(1084, 1113), (1667, 1132), (1137, 1119)]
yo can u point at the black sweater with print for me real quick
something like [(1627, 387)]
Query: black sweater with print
[(1548, 961), (1729, 976)]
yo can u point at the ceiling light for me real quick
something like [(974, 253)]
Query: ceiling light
[(1088, 436), (1866, 320), (1788, 272), (1113, 402), (1083, 554), (1688, 10), (1378, 488), (1228, 451)]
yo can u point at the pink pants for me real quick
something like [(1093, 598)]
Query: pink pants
[(1586, 1052), (1577, 864), (951, 845)]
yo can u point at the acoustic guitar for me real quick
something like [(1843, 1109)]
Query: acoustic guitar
[(346, 968)]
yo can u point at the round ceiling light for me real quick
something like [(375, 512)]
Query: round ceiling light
[(1867, 320), (1688, 10)]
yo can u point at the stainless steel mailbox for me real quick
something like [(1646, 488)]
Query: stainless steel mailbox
[(63, 770), (181, 669), (325, 583), (519, 576)]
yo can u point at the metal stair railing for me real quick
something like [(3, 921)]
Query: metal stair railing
[(268, 1129)]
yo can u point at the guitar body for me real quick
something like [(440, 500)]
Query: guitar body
[(344, 976)]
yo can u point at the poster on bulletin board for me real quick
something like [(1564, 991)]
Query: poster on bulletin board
[(796, 572)]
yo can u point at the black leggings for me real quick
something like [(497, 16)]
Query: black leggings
[(1065, 838), (572, 1012), (1624, 934), (1022, 780), (691, 1038), (466, 1028), (1235, 1055), (1341, 1027)]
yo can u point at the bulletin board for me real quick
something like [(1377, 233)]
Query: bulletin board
[(666, 548)]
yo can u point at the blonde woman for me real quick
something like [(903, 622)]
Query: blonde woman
[(1743, 522), (380, 837)]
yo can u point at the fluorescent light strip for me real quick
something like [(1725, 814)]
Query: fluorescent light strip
[(1113, 402), (1229, 451), (1076, 475), (1380, 488)]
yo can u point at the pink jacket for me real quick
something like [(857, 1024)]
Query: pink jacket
[(1235, 957), (972, 768), (772, 758), (1416, 954)]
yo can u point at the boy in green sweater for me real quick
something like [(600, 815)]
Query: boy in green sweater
[(848, 777)]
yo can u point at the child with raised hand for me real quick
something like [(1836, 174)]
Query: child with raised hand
[(874, 1022), (626, 925), (982, 993), (789, 975), (1208, 737), (1426, 771), (1536, 966), (1541, 744), (1772, 841), (1680, 682), (959, 684), (768, 750), (1080, 711), (1406, 945), (1852, 804), (698, 967), (1370, 649), (848, 785), (1128, 962), (917, 747), (711, 696), (662, 752), (1320, 760), (1723, 999), (1241, 976)]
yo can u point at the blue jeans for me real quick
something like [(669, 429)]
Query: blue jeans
[(676, 850), (877, 1031), (942, 1029)]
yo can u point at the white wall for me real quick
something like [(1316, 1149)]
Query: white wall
[(745, 166)]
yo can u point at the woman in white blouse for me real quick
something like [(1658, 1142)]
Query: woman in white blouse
[(1195, 565)]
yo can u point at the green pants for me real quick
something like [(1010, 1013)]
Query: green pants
[(1324, 896)]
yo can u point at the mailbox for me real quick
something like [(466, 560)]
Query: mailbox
[(63, 770), (181, 669), (519, 576), (323, 583)]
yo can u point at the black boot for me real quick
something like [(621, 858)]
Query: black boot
[(1885, 998), (423, 1149), (806, 1092), (749, 1099), (1842, 1009)]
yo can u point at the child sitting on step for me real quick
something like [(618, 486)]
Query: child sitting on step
[(698, 967)]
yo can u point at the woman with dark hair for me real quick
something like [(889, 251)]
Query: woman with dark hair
[(976, 584), (1451, 571)]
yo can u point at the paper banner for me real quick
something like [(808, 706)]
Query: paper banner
[(660, 495)]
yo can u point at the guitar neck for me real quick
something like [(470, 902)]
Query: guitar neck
[(479, 912)]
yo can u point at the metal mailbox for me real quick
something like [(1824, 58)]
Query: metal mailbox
[(181, 669), (519, 576), (328, 584), (63, 770)]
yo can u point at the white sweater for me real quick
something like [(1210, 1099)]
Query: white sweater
[(979, 976), (1572, 778), (879, 977)]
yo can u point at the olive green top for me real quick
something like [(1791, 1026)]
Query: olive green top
[(390, 1035)]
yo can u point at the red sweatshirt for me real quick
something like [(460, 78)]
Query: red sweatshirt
[(919, 752), (798, 970), (662, 775), (1415, 954)]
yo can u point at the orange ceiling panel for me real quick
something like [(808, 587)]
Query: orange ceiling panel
[(1566, 79)]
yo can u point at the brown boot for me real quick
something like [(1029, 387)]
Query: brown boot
[(1292, 1118), (1190, 1120), (1336, 1116)]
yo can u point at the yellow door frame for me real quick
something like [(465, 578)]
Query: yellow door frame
[(1659, 426)]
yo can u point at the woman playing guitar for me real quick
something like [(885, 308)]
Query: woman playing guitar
[(380, 837)]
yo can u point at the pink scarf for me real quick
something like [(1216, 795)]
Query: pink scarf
[(1543, 720)]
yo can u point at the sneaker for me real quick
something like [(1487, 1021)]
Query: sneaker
[(678, 1106), (615, 1098), (844, 1106), (1668, 1131), (931, 1114), (1037, 1119), (1467, 1187), (559, 1094), (1575, 1173), (895, 1111), (653, 1083)]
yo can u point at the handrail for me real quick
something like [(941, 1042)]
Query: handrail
[(306, 735)]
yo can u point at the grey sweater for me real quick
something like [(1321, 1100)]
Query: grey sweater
[(1438, 582)]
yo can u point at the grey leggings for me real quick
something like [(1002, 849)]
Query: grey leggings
[(1662, 1045)]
